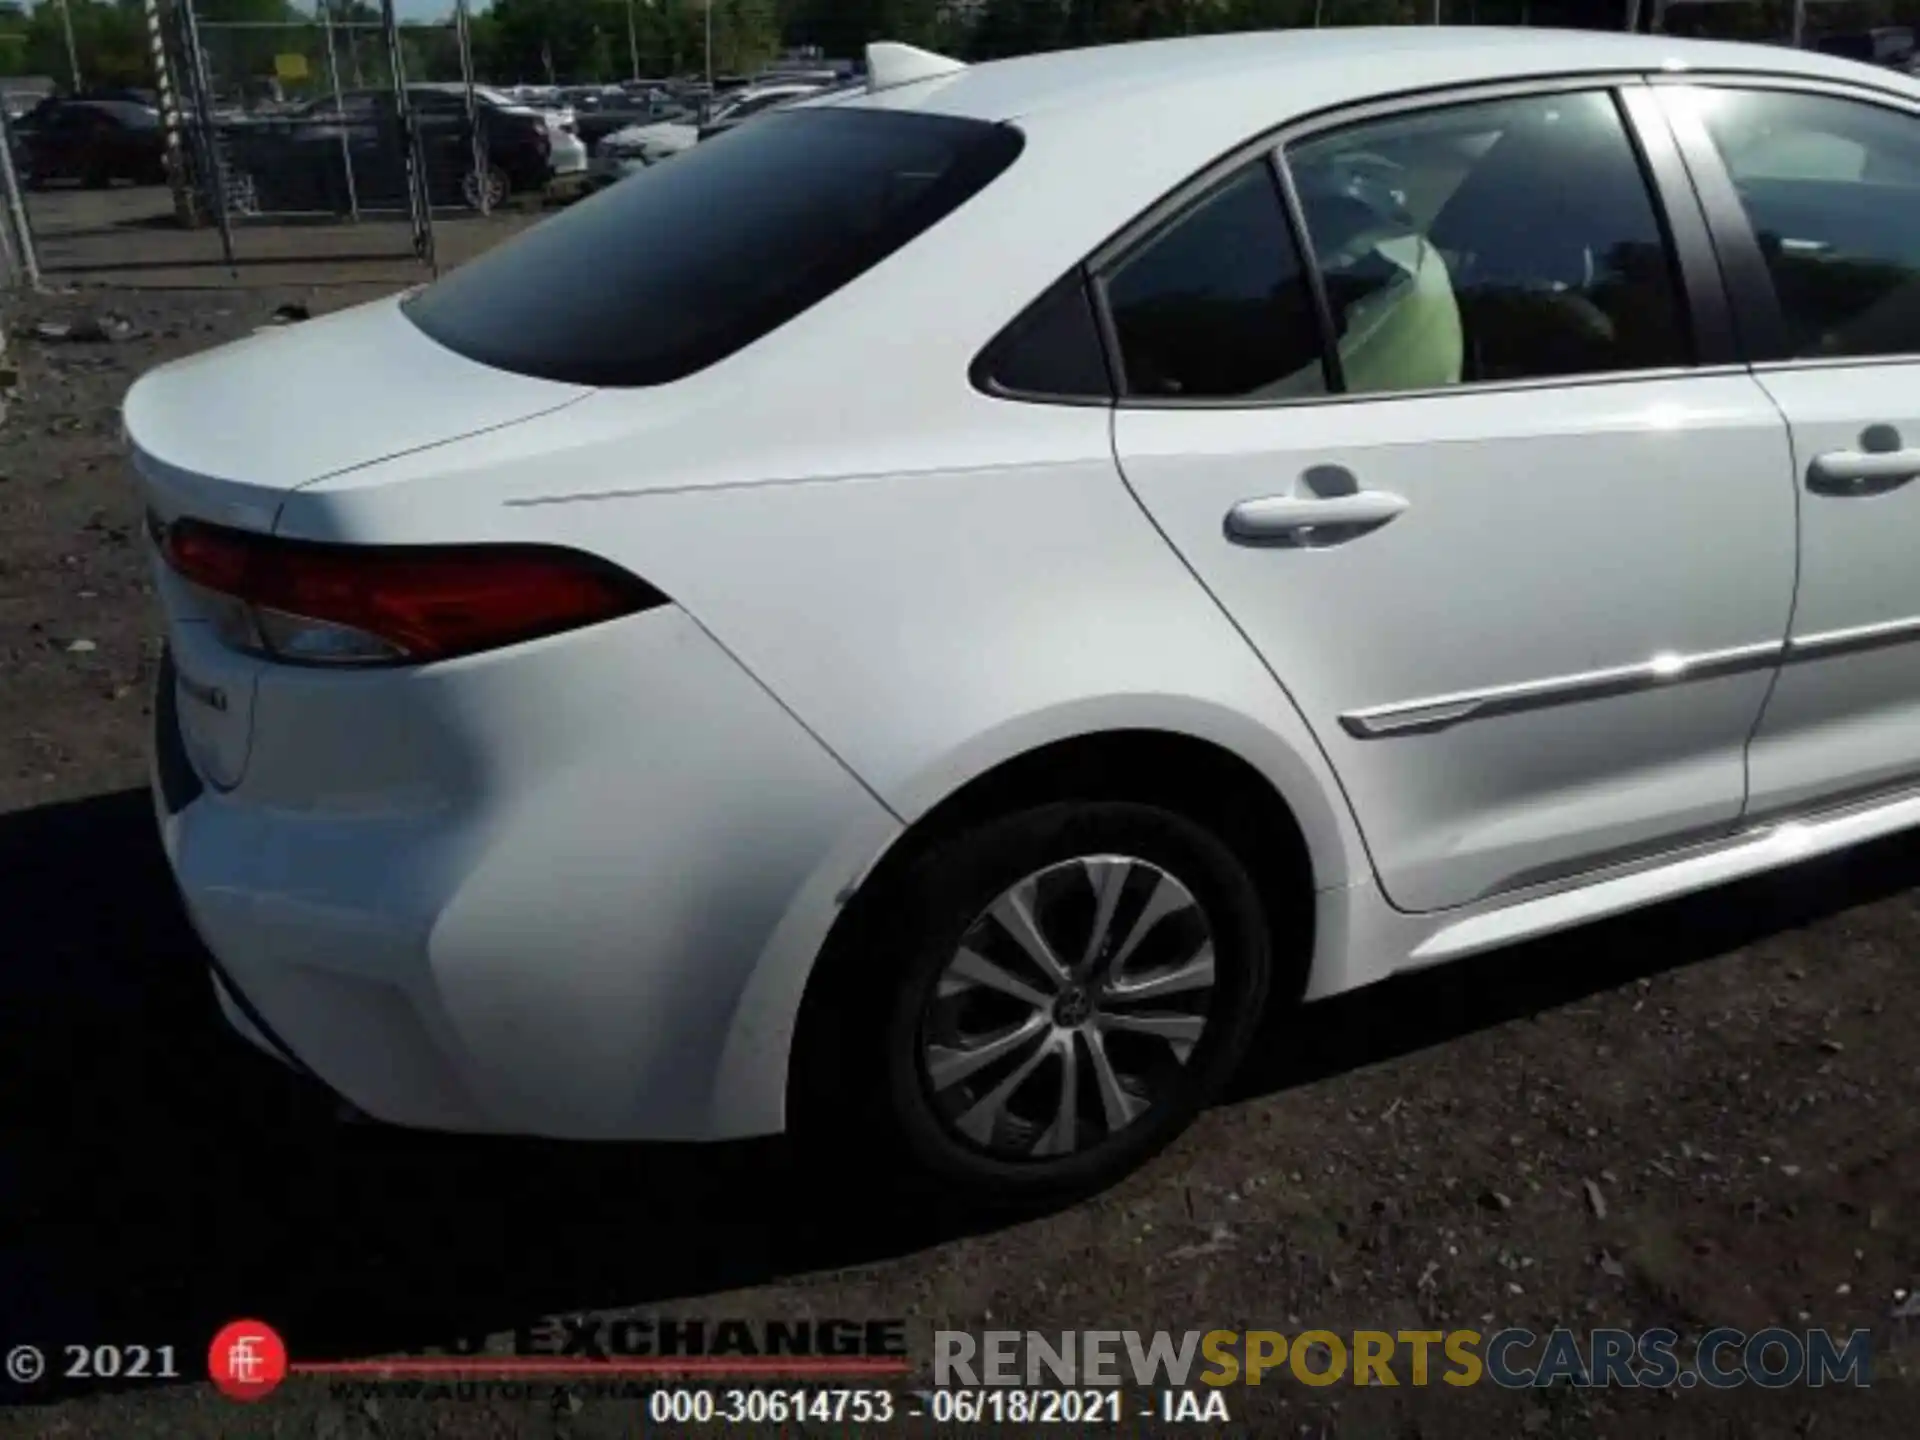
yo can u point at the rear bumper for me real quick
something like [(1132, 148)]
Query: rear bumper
[(572, 889)]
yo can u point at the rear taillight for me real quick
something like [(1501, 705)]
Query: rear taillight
[(316, 604)]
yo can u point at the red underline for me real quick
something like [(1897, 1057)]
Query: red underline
[(815, 1365)]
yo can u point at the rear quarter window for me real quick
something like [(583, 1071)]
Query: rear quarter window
[(688, 261)]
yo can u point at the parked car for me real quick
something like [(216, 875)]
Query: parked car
[(640, 145), (442, 110), (92, 141), (1889, 45), (294, 163), (641, 108), (719, 684), (767, 98)]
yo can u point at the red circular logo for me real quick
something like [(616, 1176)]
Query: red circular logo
[(247, 1359)]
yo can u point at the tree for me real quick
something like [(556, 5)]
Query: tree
[(109, 38), (1019, 27)]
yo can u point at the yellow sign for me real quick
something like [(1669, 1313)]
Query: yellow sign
[(290, 67)]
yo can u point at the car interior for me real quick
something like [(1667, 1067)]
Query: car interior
[(1473, 212), (1832, 214)]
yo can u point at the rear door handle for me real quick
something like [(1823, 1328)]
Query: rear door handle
[(1311, 520), (1862, 472)]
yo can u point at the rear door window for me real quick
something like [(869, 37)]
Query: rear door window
[(1491, 241), (1215, 305), (681, 265)]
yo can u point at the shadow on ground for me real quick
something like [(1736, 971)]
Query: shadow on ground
[(162, 1178)]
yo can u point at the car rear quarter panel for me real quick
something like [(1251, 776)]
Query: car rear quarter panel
[(925, 623)]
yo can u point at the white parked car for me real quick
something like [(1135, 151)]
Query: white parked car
[(1029, 570), (636, 146)]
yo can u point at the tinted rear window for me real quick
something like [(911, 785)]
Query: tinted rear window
[(698, 256)]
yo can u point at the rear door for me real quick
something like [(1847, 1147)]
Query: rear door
[(1519, 541), (1814, 195), (446, 142), (65, 142)]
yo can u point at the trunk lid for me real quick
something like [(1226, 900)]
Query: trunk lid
[(236, 427), (227, 435)]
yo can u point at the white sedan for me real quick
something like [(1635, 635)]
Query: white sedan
[(925, 623), (637, 146)]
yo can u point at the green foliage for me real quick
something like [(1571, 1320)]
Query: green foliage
[(601, 40), (110, 38), (590, 40)]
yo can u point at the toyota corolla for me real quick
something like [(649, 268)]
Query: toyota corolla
[(930, 620)]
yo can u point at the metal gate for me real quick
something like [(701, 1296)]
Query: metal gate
[(303, 121), (281, 141)]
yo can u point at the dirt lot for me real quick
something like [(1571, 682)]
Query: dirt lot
[(1704, 1115)]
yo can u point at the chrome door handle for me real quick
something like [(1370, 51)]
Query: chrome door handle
[(1311, 520), (1862, 472)]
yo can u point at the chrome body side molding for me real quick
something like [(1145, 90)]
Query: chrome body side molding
[(1437, 712), (1440, 711)]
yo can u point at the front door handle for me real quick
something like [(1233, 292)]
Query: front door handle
[(1862, 472), (1311, 520)]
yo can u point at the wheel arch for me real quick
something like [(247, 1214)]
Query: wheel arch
[(1199, 777)]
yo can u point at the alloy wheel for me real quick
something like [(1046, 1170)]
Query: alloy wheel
[(1069, 1008), (495, 189)]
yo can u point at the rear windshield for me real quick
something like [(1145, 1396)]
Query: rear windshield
[(694, 258)]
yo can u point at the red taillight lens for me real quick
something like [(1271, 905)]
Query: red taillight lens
[(349, 604)]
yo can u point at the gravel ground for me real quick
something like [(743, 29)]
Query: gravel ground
[(1699, 1116)]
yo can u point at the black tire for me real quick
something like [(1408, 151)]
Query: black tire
[(862, 1093), (498, 186)]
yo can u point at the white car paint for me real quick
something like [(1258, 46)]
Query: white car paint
[(576, 886), (1536, 791), (644, 144), (566, 152)]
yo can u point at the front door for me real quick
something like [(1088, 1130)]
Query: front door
[(1522, 563)]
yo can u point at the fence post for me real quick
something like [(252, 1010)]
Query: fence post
[(213, 167), (482, 165), (419, 194), (16, 206), (340, 104), (178, 180)]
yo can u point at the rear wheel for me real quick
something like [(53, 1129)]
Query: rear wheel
[(1044, 1003), (490, 189)]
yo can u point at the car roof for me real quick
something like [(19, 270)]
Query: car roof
[(759, 92), (1325, 68)]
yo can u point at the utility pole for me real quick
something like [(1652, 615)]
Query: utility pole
[(73, 51), (709, 53), (633, 45)]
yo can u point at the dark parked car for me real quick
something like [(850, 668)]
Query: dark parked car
[(1888, 45), (294, 163), (93, 141)]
